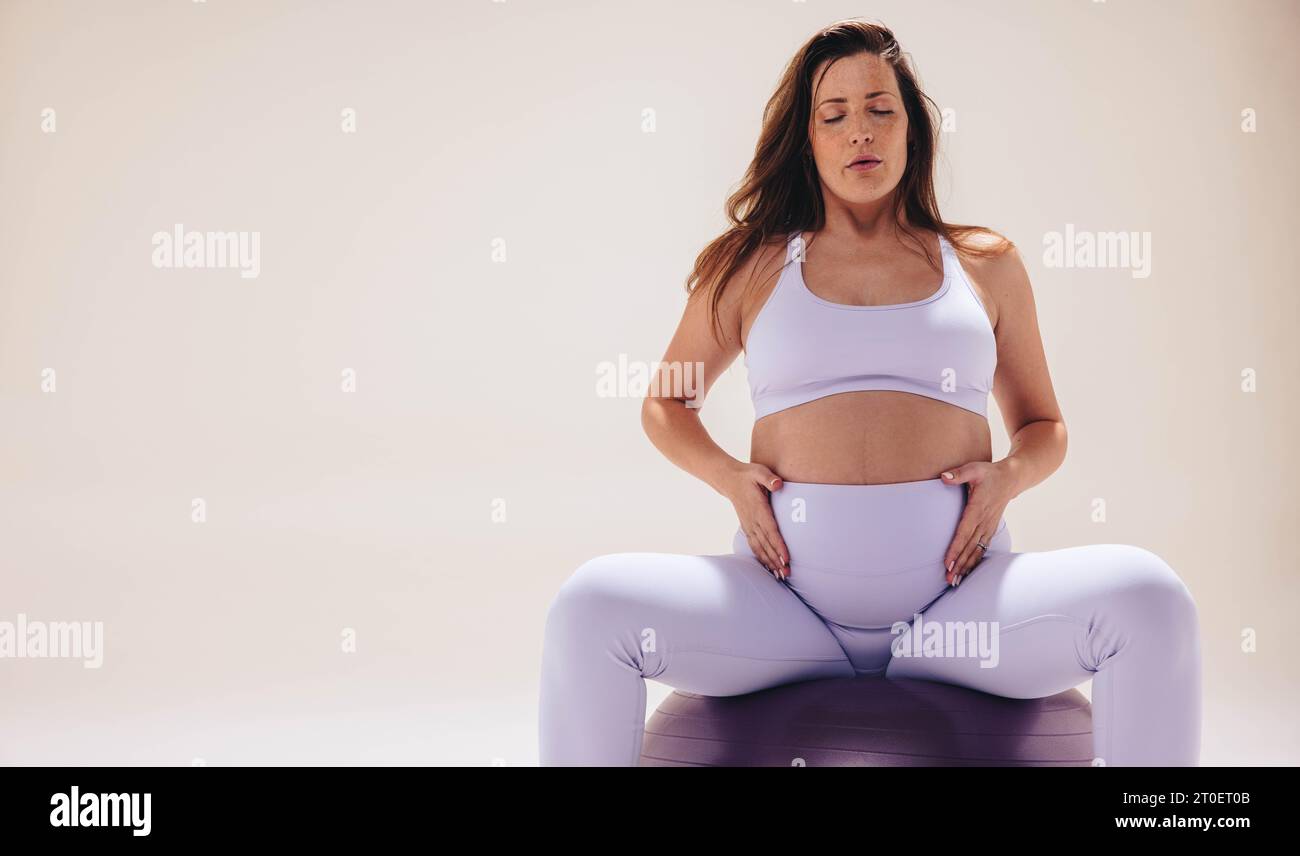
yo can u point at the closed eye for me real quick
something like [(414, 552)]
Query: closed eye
[(875, 112)]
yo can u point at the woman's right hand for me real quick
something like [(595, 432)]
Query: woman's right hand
[(750, 494)]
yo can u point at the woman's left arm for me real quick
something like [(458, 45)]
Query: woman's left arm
[(1022, 386)]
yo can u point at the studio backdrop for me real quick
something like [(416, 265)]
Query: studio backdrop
[(324, 329)]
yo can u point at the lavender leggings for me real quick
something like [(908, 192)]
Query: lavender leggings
[(865, 562)]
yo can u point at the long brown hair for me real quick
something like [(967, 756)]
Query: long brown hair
[(781, 193)]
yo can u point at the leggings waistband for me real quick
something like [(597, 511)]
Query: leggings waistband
[(894, 488)]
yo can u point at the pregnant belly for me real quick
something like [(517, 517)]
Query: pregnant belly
[(866, 556), (872, 437)]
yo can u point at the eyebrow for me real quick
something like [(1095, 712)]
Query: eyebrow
[(868, 97)]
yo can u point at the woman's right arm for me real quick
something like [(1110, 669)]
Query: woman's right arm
[(677, 431)]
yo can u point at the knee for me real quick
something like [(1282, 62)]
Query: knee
[(589, 592), (1150, 593)]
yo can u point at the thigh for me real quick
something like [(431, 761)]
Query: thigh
[(710, 624), (1020, 625)]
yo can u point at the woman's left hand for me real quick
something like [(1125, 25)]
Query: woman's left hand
[(991, 488)]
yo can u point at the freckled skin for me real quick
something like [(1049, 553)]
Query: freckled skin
[(873, 436)]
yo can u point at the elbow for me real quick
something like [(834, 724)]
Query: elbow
[(655, 412), (651, 415)]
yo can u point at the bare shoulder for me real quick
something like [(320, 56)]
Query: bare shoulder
[(995, 269), (754, 280), (756, 271), (708, 333)]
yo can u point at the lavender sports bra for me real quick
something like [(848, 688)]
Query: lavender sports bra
[(801, 347)]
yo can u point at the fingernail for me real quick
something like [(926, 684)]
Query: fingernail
[(950, 561), (947, 475)]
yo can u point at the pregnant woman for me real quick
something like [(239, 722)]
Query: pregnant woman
[(871, 512)]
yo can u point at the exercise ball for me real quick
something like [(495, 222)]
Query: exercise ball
[(869, 722)]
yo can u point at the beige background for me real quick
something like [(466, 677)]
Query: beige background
[(520, 124)]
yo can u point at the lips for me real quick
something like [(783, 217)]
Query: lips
[(864, 159)]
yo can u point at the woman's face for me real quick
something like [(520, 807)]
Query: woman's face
[(858, 110)]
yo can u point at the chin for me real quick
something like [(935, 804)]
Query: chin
[(861, 196)]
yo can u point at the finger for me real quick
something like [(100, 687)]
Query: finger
[(967, 556), (783, 552), (760, 554), (768, 479), (971, 556), (772, 529), (770, 539), (950, 557), (956, 475), (777, 544), (763, 551), (752, 527), (961, 540)]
